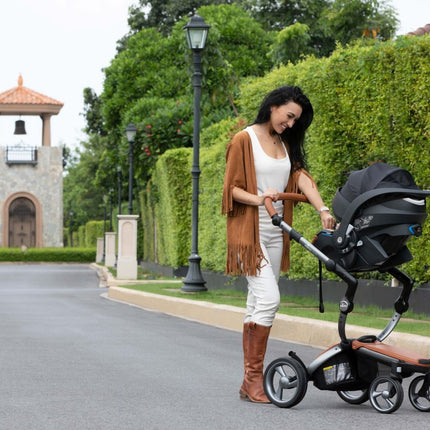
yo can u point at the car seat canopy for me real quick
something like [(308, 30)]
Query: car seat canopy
[(379, 209), (376, 176)]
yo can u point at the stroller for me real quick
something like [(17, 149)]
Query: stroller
[(379, 209)]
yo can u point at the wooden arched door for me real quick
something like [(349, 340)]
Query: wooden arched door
[(22, 223)]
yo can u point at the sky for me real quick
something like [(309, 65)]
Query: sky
[(61, 46)]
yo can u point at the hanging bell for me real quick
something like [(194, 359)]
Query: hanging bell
[(19, 127)]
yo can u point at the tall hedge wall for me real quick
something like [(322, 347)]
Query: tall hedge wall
[(93, 230), (171, 193), (371, 103)]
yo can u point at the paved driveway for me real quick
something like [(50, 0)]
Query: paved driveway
[(70, 359)]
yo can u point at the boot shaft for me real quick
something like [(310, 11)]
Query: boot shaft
[(257, 344)]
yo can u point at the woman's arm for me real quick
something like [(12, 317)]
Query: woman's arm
[(311, 192), (246, 198)]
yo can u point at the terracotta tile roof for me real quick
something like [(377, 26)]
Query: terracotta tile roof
[(25, 96), (420, 31)]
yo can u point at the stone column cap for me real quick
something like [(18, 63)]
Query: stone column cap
[(127, 217)]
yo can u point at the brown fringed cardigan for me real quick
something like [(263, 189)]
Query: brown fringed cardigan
[(244, 254)]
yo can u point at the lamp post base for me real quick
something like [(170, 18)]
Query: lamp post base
[(194, 282)]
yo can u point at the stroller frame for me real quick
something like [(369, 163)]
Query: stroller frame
[(357, 369)]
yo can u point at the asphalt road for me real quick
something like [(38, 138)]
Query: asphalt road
[(70, 359)]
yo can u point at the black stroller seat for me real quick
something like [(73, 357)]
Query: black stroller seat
[(379, 209)]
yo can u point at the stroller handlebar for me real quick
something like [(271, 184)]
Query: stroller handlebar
[(268, 203)]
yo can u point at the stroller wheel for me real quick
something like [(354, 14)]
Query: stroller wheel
[(420, 399), (386, 394), (354, 397), (285, 382)]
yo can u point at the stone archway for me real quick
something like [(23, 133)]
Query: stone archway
[(22, 225)]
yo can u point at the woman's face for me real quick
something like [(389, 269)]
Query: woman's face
[(284, 116)]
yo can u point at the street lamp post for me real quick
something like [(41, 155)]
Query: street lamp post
[(71, 228), (104, 227), (127, 224), (118, 170), (110, 209), (130, 132), (196, 32)]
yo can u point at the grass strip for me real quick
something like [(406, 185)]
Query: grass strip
[(371, 316)]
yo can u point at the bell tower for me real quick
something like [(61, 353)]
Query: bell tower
[(31, 184)]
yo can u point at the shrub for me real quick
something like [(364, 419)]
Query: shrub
[(63, 255)]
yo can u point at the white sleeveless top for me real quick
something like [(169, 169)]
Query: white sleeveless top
[(270, 172)]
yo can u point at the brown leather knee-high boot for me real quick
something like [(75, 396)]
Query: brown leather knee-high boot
[(252, 387), (242, 391)]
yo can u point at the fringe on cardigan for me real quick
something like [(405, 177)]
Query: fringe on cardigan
[(244, 260)]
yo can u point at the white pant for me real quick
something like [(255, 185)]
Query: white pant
[(263, 290)]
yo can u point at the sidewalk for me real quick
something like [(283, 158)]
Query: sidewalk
[(286, 328)]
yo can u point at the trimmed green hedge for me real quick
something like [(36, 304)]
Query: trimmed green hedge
[(58, 255), (147, 222), (371, 103), (93, 230), (172, 193)]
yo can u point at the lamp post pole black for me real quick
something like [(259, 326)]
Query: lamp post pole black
[(118, 169), (110, 209), (71, 228), (130, 133), (196, 32), (104, 228)]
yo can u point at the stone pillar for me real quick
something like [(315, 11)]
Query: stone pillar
[(127, 247), (46, 129), (99, 254), (110, 249)]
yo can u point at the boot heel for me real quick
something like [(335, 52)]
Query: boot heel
[(243, 395)]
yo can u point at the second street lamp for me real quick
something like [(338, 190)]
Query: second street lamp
[(110, 209), (118, 170), (71, 214), (196, 32), (130, 132), (105, 198)]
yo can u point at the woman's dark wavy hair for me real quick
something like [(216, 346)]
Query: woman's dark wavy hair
[(295, 135)]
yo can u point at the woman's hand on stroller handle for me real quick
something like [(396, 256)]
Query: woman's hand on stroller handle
[(272, 194), (283, 196), (327, 220)]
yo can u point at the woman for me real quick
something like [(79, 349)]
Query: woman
[(264, 160)]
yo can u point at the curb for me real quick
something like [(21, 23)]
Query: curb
[(316, 333), (305, 331), (106, 279)]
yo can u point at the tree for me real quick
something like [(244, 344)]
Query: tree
[(162, 14), (329, 21), (81, 193), (148, 83), (291, 44), (151, 66), (347, 20), (92, 113)]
